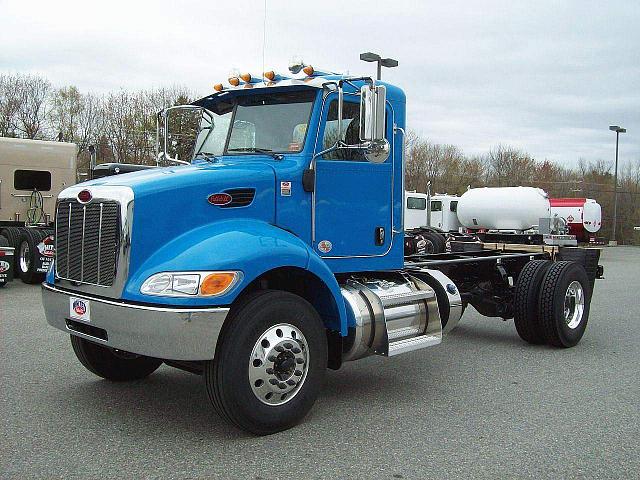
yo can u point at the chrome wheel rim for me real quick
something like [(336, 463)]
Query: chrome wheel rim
[(25, 257), (574, 305), (278, 364)]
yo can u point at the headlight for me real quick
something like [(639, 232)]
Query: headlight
[(190, 284)]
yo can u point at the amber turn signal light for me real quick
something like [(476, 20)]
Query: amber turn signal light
[(217, 283)]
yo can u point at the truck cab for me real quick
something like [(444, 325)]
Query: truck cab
[(270, 248)]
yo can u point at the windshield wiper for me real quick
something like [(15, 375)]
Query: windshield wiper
[(207, 156), (266, 151)]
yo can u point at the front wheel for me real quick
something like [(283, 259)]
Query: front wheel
[(113, 364), (270, 363)]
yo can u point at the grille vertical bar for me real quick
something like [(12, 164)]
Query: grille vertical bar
[(87, 241)]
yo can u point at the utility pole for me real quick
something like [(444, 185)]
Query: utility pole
[(618, 130)]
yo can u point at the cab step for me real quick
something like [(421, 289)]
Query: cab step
[(414, 343)]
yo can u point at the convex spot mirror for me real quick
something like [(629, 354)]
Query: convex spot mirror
[(373, 101)]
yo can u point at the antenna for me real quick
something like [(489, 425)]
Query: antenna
[(264, 34)]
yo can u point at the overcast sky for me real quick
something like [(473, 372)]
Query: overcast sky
[(546, 76)]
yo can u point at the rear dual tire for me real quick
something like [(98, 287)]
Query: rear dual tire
[(565, 298), (551, 303), (27, 255)]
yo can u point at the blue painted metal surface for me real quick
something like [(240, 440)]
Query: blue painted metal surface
[(176, 229)]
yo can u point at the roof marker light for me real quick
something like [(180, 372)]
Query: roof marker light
[(308, 70), (218, 87), (270, 75), (246, 77)]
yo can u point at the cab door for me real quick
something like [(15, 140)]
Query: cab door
[(353, 197)]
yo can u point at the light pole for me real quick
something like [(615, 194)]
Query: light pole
[(618, 130), (382, 62)]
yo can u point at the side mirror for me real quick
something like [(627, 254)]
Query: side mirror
[(373, 101)]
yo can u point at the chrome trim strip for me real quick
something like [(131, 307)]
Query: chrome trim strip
[(68, 239), (84, 224), (99, 240)]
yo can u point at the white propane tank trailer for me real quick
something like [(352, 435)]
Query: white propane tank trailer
[(514, 209)]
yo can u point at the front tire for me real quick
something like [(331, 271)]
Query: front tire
[(565, 298), (270, 363), (112, 364)]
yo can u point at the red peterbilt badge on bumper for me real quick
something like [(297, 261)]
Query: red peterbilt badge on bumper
[(219, 199)]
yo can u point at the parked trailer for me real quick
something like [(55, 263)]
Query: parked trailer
[(32, 174), (583, 216), (278, 252)]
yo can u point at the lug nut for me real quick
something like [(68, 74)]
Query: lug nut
[(296, 350), (291, 382), (269, 371), (282, 386), (297, 373), (279, 348), (299, 361), (273, 381), (288, 345)]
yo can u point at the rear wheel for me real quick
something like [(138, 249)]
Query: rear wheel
[(435, 242), (526, 299), (111, 363), (28, 256), (270, 363), (565, 298), (13, 235)]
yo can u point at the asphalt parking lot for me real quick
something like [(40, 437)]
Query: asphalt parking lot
[(481, 405)]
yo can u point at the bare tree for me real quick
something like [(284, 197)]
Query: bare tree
[(32, 114)]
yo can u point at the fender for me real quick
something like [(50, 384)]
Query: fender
[(248, 245)]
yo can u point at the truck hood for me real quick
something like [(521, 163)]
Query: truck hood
[(172, 201)]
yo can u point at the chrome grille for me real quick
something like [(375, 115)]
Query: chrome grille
[(87, 241)]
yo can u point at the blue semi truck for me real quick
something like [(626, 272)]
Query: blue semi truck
[(276, 250)]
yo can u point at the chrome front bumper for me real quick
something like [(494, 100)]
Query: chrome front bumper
[(161, 332)]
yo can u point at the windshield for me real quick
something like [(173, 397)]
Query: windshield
[(258, 123)]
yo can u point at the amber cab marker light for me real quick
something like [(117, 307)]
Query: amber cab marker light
[(246, 77), (308, 70), (218, 87), (234, 81), (216, 283), (270, 75)]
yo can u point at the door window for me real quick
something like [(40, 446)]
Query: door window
[(350, 132)]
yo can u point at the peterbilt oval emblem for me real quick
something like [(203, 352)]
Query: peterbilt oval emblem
[(219, 199), (84, 196)]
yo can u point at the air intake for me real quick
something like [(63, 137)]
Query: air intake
[(240, 197)]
